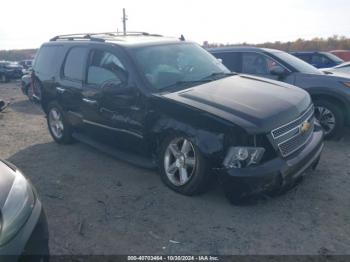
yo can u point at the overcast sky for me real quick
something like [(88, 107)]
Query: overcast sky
[(28, 23)]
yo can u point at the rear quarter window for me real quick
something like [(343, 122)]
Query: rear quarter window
[(49, 59)]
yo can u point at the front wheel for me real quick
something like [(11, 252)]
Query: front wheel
[(330, 117), (182, 166), (59, 127)]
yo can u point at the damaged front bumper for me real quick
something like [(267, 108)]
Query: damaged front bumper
[(276, 174)]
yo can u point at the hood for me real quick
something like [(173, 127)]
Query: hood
[(7, 177), (330, 77), (335, 73), (256, 104)]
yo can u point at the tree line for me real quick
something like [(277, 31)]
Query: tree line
[(316, 44), (17, 55)]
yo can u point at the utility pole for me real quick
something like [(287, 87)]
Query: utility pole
[(125, 18)]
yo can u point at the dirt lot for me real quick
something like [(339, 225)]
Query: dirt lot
[(99, 205)]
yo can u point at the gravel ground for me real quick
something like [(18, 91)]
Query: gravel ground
[(99, 205)]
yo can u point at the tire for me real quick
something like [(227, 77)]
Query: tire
[(326, 113), (57, 122), (189, 158)]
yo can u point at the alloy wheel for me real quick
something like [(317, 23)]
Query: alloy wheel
[(56, 123), (326, 119), (179, 161)]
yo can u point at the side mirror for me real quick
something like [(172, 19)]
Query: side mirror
[(278, 71)]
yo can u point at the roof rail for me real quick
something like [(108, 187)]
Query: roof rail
[(100, 37)]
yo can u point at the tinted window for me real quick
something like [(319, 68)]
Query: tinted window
[(318, 59), (75, 63), (257, 64), (232, 60), (48, 59), (305, 57), (296, 63), (103, 67)]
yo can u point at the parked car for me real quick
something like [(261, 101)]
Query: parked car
[(331, 94), (343, 68), (9, 71), (319, 59), (342, 54), (166, 102), (23, 222), (26, 63)]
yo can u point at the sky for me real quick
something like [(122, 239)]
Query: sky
[(27, 24)]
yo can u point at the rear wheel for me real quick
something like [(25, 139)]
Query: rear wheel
[(182, 166), (59, 127), (330, 117)]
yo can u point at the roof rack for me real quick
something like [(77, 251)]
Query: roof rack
[(100, 37)]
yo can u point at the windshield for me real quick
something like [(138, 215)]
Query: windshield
[(174, 64), (297, 63)]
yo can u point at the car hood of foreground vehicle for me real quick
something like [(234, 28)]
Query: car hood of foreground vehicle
[(7, 177), (256, 104)]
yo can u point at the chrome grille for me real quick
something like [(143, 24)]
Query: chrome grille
[(290, 137), (291, 125)]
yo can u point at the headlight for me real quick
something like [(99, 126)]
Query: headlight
[(240, 157), (17, 208), (347, 84)]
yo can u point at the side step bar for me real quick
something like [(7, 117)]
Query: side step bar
[(133, 159)]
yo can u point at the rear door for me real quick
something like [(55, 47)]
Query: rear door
[(69, 88)]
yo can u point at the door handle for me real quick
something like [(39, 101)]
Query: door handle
[(90, 101), (60, 90)]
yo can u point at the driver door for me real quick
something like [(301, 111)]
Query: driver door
[(110, 104)]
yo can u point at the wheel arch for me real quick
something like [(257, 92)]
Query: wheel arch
[(337, 100), (210, 143)]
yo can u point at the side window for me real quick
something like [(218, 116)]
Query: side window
[(257, 64), (305, 57), (75, 63), (104, 66), (318, 59), (232, 60), (48, 59)]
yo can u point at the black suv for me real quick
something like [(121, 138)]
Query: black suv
[(152, 100), (330, 93)]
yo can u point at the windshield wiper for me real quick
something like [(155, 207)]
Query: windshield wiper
[(211, 77), (218, 75)]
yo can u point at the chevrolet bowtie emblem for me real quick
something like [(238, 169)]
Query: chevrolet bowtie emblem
[(305, 127)]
